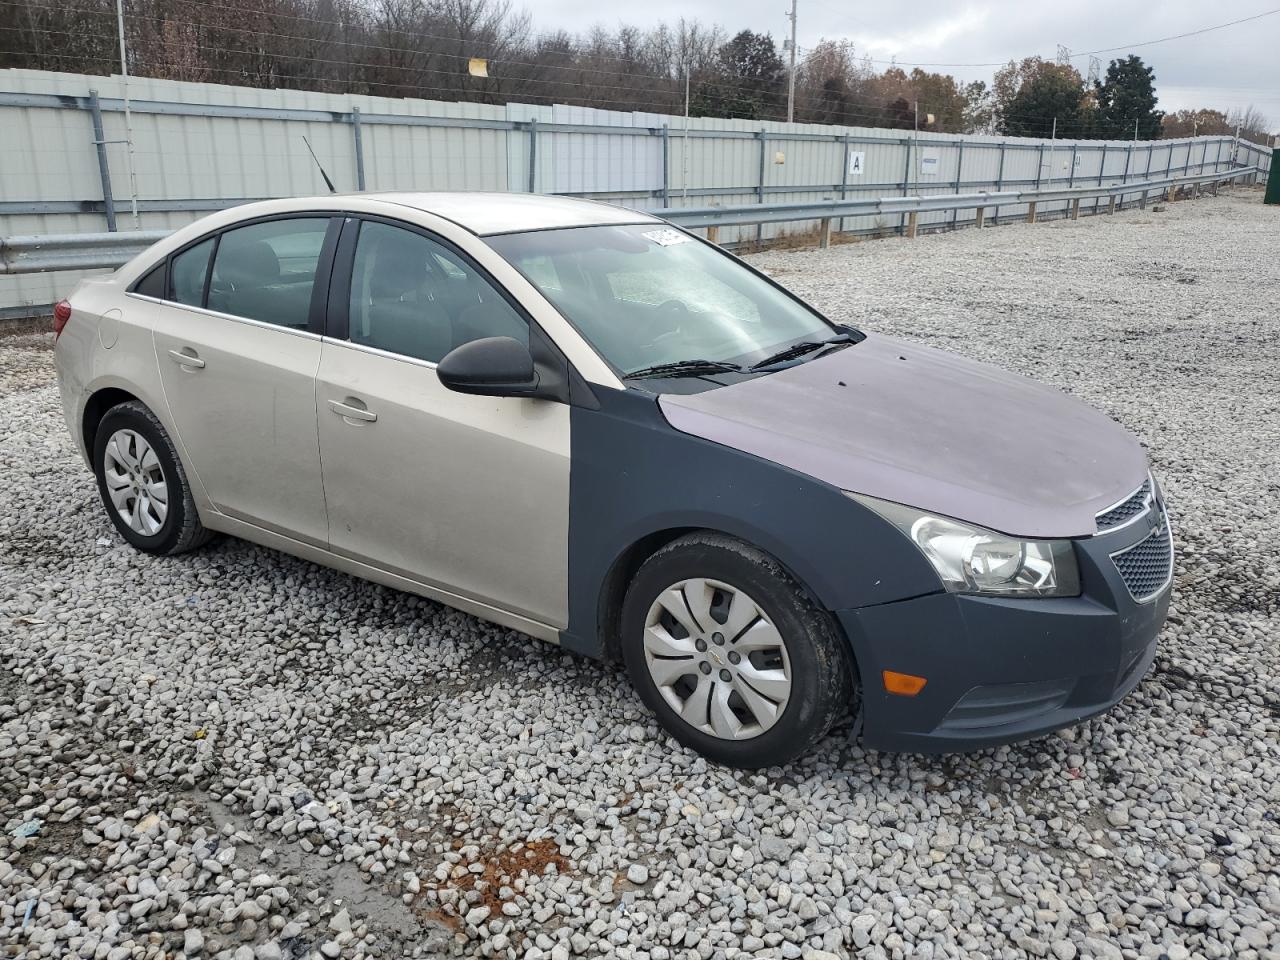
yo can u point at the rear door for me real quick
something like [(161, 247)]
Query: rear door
[(238, 345), (467, 494)]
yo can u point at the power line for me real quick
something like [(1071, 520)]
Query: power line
[(1087, 53), (1183, 36)]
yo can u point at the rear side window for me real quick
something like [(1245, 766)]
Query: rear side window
[(152, 285), (267, 271), (190, 268)]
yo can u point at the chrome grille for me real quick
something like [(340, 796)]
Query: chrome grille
[(1132, 506), (1147, 566)]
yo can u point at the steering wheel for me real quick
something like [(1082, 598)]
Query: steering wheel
[(672, 312)]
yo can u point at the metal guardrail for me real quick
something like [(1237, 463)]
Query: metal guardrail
[(84, 251), (73, 251), (744, 214)]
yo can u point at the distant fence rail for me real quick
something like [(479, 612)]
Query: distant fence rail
[(81, 251)]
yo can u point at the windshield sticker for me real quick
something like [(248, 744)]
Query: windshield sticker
[(666, 238)]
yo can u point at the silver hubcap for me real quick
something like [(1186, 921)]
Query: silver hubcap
[(135, 482), (717, 659)]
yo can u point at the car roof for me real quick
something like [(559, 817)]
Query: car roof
[(486, 214)]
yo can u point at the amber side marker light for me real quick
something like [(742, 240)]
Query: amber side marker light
[(903, 684)]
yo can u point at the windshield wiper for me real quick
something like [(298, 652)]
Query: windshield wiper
[(686, 368), (802, 348)]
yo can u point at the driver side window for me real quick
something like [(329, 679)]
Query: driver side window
[(413, 296)]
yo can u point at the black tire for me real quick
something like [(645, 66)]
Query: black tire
[(181, 529), (822, 681)]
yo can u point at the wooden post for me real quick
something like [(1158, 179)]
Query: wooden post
[(824, 233), (1031, 212), (713, 235), (913, 222), (1195, 192), (1075, 209), (979, 216), (1111, 204)]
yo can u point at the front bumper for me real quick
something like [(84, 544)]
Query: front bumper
[(1002, 670)]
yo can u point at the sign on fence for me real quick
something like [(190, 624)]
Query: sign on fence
[(857, 162)]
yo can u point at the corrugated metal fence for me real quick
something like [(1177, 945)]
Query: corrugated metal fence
[(65, 157)]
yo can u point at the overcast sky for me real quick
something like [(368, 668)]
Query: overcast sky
[(1233, 67)]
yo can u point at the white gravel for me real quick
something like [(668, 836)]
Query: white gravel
[(236, 754)]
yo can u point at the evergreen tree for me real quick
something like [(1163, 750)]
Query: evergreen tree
[(754, 77), (1126, 95)]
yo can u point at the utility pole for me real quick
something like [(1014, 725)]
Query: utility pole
[(128, 120), (791, 77), (684, 142), (1135, 131)]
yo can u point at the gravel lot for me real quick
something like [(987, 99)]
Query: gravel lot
[(241, 755)]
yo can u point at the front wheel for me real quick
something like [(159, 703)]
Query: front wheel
[(730, 653)]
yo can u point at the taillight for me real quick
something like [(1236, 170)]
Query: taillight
[(61, 314)]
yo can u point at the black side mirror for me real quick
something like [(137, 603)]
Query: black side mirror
[(491, 367)]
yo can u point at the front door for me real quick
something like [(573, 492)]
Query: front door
[(466, 494), (238, 351)]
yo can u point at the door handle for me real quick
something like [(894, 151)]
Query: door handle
[(349, 412), (186, 359)]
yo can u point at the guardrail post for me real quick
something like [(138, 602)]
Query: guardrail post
[(824, 233), (764, 146), (1075, 208), (359, 144), (913, 223), (104, 171), (1031, 212), (666, 166), (533, 156), (1111, 204), (713, 235), (978, 216)]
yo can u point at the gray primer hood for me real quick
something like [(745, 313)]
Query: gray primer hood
[(931, 430)]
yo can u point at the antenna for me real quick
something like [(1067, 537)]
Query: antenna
[(327, 182)]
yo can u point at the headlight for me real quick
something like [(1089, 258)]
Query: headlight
[(972, 559)]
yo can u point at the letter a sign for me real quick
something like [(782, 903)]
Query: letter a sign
[(857, 162)]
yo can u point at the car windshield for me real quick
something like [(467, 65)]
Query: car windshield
[(646, 295)]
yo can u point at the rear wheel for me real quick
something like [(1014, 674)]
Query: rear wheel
[(143, 486), (735, 659)]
